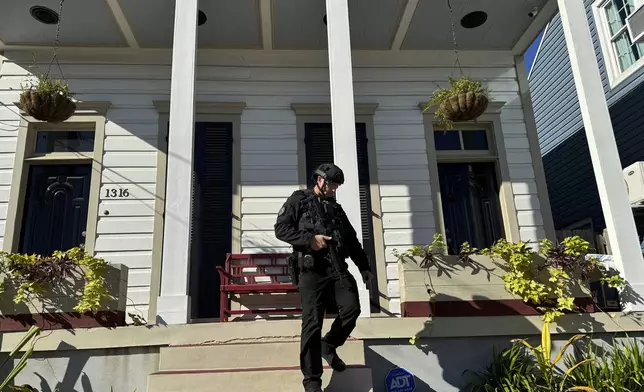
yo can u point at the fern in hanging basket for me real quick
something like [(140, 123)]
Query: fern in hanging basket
[(48, 100), (465, 100)]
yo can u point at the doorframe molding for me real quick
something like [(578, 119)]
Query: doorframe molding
[(491, 122), (204, 112), (88, 115), (364, 113)]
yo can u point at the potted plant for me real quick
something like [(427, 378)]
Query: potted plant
[(48, 100), (466, 99)]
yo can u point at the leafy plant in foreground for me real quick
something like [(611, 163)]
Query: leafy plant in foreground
[(31, 334), (551, 378), (619, 368), (510, 370)]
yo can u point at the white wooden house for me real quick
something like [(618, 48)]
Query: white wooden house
[(245, 93)]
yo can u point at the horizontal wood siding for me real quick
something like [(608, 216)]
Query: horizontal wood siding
[(269, 148)]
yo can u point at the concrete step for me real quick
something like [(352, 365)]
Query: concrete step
[(354, 379), (244, 356)]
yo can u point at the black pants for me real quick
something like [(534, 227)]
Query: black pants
[(317, 288)]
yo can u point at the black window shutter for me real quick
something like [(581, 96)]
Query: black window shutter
[(211, 230), (319, 149)]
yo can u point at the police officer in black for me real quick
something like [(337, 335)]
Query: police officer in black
[(322, 238)]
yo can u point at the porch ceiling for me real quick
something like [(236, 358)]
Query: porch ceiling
[(269, 24)]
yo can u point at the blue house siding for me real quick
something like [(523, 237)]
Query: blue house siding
[(569, 173), (551, 87)]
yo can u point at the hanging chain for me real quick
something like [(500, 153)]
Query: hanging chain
[(451, 18), (54, 57)]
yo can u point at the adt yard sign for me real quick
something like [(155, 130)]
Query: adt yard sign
[(400, 380)]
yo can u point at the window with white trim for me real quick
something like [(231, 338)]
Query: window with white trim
[(469, 186), (622, 56)]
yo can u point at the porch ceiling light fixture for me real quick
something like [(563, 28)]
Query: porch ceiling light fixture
[(474, 19), (201, 18), (44, 15)]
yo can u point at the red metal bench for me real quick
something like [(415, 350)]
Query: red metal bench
[(242, 274)]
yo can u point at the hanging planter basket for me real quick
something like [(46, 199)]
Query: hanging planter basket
[(48, 99), (49, 106), (465, 100), (464, 107)]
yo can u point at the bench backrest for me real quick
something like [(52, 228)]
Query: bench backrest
[(258, 268)]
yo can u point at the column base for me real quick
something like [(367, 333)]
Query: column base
[(173, 309)]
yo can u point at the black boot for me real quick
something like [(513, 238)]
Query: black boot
[(332, 358), (312, 386)]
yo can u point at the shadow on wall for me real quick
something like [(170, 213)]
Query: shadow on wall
[(47, 380), (441, 363), (68, 369)]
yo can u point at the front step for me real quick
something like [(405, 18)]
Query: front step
[(245, 356), (354, 379)]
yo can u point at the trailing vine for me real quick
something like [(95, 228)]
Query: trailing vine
[(34, 276)]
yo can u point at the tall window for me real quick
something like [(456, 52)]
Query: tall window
[(621, 54), (57, 182), (469, 187)]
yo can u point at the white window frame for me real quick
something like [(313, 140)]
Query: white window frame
[(615, 75), (89, 116)]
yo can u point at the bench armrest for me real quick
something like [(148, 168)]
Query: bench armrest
[(224, 276)]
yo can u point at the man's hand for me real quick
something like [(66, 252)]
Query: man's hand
[(319, 241), (366, 276)]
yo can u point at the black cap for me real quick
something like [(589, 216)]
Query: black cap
[(329, 172)]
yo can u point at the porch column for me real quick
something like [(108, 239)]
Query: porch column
[(344, 124), (620, 223), (173, 305)]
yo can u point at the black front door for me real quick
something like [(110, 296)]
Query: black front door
[(55, 216), (212, 201), (470, 200)]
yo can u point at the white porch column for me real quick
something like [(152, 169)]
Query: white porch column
[(620, 223), (173, 305), (344, 124)]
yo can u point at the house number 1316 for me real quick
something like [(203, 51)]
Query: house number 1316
[(117, 192)]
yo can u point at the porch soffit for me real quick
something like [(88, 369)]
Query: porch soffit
[(376, 25)]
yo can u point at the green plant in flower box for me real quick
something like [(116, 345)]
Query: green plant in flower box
[(36, 276), (548, 284)]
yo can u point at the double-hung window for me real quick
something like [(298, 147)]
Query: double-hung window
[(621, 55)]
